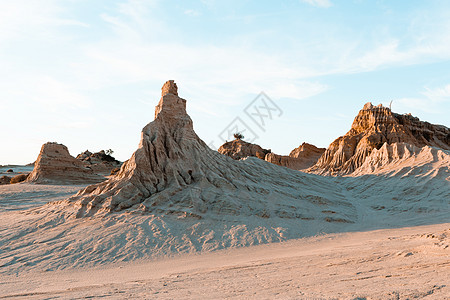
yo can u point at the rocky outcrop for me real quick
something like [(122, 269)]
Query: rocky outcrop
[(5, 179), (99, 162), (175, 195), (175, 175), (239, 149), (372, 128), (19, 178), (55, 165), (301, 158), (401, 159)]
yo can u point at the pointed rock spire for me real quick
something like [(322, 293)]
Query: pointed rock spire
[(170, 87), (170, 104)]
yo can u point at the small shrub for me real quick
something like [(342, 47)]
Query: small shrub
[(238, 136), (19, 178)]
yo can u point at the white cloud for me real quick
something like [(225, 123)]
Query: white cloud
[(22, 19), (438, 94), (139, 48), (53, 93), (319, 3), (433, 101), (414, 105), (295, 89), (390, 54), (192, 12)]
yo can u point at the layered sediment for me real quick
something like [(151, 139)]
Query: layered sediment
[(373, 127)]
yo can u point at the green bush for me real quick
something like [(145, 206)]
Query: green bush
[(238, 136)]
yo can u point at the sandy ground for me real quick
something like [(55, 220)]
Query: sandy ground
[(404, 263), (22, 196), (46, 255)]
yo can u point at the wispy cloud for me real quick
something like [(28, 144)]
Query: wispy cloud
[(414, 105), (192, 12), (21, 19), (439, 94), (53, 67), (319, 3), (432, 101)]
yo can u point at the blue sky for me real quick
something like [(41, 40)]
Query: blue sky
[(89, 73)]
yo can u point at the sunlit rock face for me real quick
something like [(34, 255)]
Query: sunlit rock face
[(301, 158), (402, 159), (238, 149), (174, 174), (373, 127), (55, 165)]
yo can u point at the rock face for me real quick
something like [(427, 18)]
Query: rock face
[(372, 128), (239, 149), (401, 159), (301, 158), (55, 165), (176, 195), (174, 174), (5, 180), (99, 162)]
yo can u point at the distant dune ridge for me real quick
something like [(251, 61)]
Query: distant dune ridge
[(176, 195)]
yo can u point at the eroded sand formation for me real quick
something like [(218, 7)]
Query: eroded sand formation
[(99, 162), (301, 158), (175, 195), (372, 128), (55, 165), (174, 172), (238, 149)]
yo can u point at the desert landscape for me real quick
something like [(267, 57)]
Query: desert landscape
[(225, 149), (368, 220)]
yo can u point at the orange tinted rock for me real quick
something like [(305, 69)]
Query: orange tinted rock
[(239, 149), (372, 127), (301, 158), (55, 165)]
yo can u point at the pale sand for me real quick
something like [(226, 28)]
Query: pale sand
[(401, 263)]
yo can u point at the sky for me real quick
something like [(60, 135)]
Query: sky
[(88, 74)]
